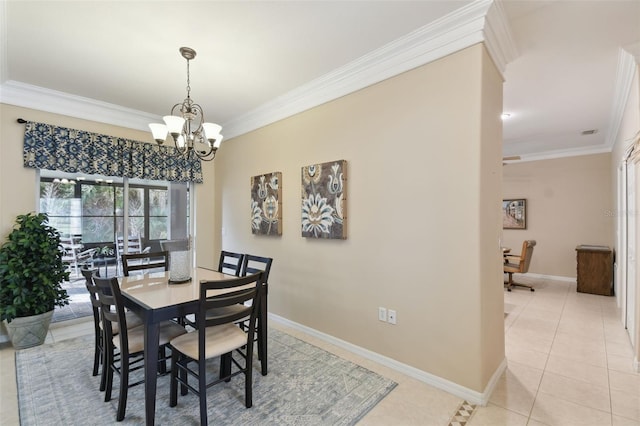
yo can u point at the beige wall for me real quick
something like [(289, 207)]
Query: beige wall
[(423, 152), (569, 202)]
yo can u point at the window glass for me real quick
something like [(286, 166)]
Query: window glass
[(92, 208), (158, 214), (57, 200)]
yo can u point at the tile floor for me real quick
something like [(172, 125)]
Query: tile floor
[(569, 363)]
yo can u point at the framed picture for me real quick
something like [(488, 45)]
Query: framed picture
[(514, 214), (324, 199), (266, 204)]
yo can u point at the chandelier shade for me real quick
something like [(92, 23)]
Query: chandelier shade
[(186, 125)]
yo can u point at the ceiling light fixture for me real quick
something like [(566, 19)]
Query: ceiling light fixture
[(505, 115), (189, 131)]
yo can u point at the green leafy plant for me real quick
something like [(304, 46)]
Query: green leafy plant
[(31, 269)]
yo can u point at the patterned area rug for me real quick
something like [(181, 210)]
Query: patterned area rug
[(305, 386), (79, 304)]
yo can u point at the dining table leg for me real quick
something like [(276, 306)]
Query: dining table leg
[(151, 345)]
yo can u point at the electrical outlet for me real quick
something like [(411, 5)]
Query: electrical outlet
[(392, 316), (382, 314)]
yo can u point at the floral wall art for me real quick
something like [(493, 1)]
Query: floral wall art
[(266, 204), (324, 200)]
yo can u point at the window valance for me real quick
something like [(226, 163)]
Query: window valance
[(77, 151)]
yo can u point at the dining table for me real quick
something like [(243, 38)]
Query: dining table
[(154, 299)]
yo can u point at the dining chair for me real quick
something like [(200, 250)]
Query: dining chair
[(230, 263), (218, 336), (144, 261), (133, 320), (251, 265), (519, 264), (128, 341)]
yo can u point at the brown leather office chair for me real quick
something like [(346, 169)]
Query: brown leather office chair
[(519, 264)]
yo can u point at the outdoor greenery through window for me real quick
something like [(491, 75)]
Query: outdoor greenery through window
[(94, 209)]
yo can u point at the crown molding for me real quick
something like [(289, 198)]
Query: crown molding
[(460, 29), (39, 98), (498, 37), (562, 153), (627, 67), (478, 21)]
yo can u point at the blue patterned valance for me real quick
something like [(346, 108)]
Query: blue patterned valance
[(77, 151)]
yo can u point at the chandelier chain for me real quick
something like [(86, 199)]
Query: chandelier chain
[(188, 82)]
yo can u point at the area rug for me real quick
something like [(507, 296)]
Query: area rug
[(306, 385), (79, 304)]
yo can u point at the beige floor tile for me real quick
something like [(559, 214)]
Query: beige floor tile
[(619, 348), (535, 341), (533, 422), (577, 327), (579, 371), (622, 421), (413, 403), (555, 411), (576, 391), (621, 363), (492, 415), (627, 382), (580, 353), (528, 357), (8, 391), (625, 404), (593, 341), (516, 388)]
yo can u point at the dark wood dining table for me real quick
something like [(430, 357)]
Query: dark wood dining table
[(155, 300)]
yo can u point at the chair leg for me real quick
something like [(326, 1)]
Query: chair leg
[(262, 336), (248, 383), (173, 390), (511, 283), (105, 367), (202, 390), (124, 386), (225, 366), (97, 349), (108, 372)]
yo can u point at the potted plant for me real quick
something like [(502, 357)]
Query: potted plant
[(31, 276)]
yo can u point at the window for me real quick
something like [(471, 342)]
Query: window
[(94, 208)]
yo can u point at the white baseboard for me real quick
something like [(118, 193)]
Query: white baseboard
[(551, 277), (470, 395)]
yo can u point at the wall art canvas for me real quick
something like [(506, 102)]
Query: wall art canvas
[(324, 200), (514, 214), (266, 204)]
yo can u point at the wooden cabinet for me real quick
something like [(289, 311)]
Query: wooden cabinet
[(595, 270)]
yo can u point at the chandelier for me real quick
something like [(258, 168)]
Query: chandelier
[(186, 125)]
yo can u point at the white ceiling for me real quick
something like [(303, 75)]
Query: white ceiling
[(563, 79)]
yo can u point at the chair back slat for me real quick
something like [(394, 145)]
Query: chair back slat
[(233, 298), (253, 264), (230, 263), (144, 261)]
